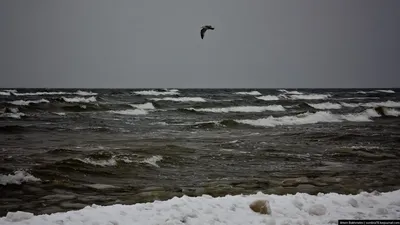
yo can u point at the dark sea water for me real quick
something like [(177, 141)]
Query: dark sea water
[(63, 149)]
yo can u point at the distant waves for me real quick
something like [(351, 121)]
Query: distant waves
[(266, 108)]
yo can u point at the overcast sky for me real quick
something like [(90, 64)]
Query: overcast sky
[(157, 44)]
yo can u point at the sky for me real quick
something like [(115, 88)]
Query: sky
[(157, 44)]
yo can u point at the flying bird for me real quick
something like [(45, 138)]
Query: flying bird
[(204, 29)]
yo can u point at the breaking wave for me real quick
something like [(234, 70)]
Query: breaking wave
[(311, 118), (40, 93), (372, 104), (153, 160), (325, 105), (79, 99), (18, 177), (130, 112), (248, 93), (290, 92), (147, 105), (99, 162), (152, 92), (181, 99), (28, 102), (85, 93), (310, 96), (268, 98), (387, 91), (241, 109)]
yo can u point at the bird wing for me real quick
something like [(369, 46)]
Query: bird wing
[(202, 31)]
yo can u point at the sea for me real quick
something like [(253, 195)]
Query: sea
[(65, 149)]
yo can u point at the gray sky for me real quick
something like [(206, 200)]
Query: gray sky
[(156, 43)]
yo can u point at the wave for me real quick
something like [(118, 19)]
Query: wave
[(268, 98), (99, 162), (147, 105), (28, 102), (39, 93), (153, 160), (248, 93), (325, 105), (372, 104), (310, 96), (152, 92), (241, 109), (129, 112), (79, 92), (13, 115), (181, 99), (79, 99), (85, 93), (312, 118), (6, 93), (18, 177), (290, 92), (387, 91), (213, 124)]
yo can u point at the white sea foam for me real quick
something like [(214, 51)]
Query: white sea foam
[(152, 92), (28, 102), (299, 209), (60, 113), (248, 93), (6, 93), (325, 105), (14, 115), (18, 177), (310, 96), (391, 112), (147, 105), (181, 99), (130, 112), (387, 91), (85, 93), (79, 99), (290, 92), (388, 104), (153, 160), (40, 93), (311, 118), (99, 162), (241, 109), (268, 98)]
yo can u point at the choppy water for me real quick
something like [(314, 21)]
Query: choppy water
[(63, 149)]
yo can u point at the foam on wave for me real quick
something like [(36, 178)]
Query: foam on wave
[(248, 93), (241, 109), (147, 105), (291, 92), (325, 105), (85, 93), (268, 98), (40, 93), (311, 118), (152, 92), (79, 99), (28, 102), (181, 99), (389, 104), (130, 112), (18, 177), (310, 96)]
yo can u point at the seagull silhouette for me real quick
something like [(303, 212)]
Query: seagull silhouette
[(204, 29)]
